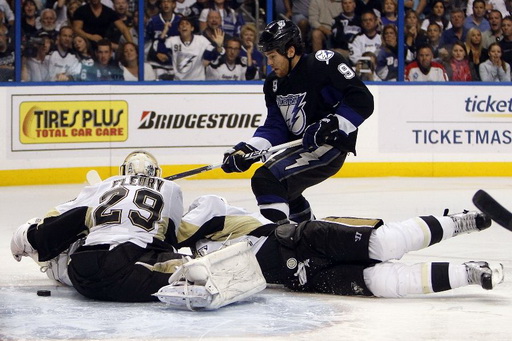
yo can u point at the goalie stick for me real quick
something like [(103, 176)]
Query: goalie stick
[(93, 177), (488, 205), (248, 156)]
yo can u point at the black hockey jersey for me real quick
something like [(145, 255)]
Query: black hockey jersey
[(320, 84)]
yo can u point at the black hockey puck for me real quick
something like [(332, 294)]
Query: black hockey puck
[(44, 293)]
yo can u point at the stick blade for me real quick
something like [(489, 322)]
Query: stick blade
[(93, 177), (488, 205)]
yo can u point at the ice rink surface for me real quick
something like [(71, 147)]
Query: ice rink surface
[(468, 313)]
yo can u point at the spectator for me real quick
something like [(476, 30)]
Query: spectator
[(84, 54), (389, 12), (214, 23), (62, 63), (93, 19), (457, 32), (477, 54), (230, 67), (248, 35), (345, 26), (499, 5), (10, 28), (387, 59), (113, 33), (298, 12), (165, 19), (506, 42), (195, 13), (48, 23), (424, 69), (106, 68), (368, 40), (183, 7), (191, 53), (495, 34), (321, 15), (8, 15), (418, 6), (434, 40), (495, 69), (34, 67), (414, 35), (65, 11), (231, 22), (366, 66), (6, 56), (159, 28), (437, 15), (28, 19), (369, 5), (151, 8), (477, 19), (129, 63), (458, 67)]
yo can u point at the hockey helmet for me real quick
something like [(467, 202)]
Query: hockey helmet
[(140, 162), (280, 35)]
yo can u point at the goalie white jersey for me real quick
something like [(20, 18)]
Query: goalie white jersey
[(130, 208)]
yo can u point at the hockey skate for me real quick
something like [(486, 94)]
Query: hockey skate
[(467, 222), (20, 247), (484, 274), (184, 294)]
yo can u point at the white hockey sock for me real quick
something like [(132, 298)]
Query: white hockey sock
[(391, 279), (278, 213), (393, 240)]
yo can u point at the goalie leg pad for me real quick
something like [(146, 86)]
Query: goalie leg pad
[(218, 279)]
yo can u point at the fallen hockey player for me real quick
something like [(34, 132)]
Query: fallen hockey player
[(117, 241)]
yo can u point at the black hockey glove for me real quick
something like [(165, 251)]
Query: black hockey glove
[(234, 160), (321, 132)]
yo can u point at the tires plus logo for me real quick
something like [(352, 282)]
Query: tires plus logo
[(152, 120), (70, 121)]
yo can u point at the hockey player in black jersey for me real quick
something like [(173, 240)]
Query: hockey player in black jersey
[(317, 98)]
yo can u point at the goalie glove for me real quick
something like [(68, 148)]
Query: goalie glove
[(321, 132), (234, 160)]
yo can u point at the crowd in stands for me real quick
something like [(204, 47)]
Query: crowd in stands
[(445, 40), (97, 40)]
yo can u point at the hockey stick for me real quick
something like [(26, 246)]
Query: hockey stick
[(488, 205), (250, 156), (93, 177)]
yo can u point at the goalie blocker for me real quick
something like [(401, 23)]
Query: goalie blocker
[(213, 281)]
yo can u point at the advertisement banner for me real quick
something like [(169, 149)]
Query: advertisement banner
[(426, 119), (62, 121)]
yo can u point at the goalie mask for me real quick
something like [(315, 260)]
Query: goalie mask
[(140, 162)]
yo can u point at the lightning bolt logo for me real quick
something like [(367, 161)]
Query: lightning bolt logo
[(185, 62), (307, 157), (292, 109), (304, 160)]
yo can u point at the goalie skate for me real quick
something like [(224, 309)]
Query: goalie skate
[(183, 294)]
